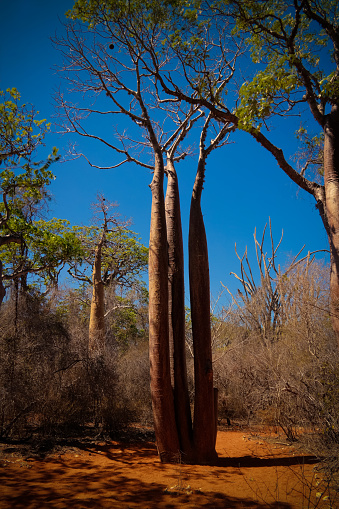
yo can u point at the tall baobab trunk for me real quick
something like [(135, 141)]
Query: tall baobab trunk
[(161, 388), (204, 426), (176, 312), (331, 181), (96, 342)]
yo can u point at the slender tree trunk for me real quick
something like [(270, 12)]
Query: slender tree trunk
[(96, 343), (331, 180), (2, 288), (204, 427), (161, 388), (7, 239), (176, 312)]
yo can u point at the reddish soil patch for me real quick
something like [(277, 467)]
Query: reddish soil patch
[(250, 473)]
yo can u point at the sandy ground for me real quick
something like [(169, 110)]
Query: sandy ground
[(251, 472)]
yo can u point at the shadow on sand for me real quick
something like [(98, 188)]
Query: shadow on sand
[(85, 481)]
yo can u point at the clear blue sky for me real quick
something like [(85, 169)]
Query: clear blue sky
[(243, 187)]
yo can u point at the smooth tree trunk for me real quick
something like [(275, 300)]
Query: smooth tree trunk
[(96, 344), (161, 389), (176, 313), (331, 181), (204, 426)]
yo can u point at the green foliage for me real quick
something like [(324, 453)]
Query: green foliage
[(23, 181), (144, 21), (20, 131), (28, 244), (126, 325), (258, 98), (124, 258), (153, 12), (292, 45), (46, 247)]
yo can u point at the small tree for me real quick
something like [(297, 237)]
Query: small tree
[(265, 305), (116, 258)]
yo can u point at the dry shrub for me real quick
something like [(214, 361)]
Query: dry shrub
[(134, 378), (280, 363), (49, 386)]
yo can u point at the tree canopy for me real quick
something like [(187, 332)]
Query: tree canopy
[(29, 244), (293, 71)]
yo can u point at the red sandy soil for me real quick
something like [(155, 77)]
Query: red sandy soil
[(251, 472)]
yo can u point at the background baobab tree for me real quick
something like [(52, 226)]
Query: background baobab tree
[(116, 259)]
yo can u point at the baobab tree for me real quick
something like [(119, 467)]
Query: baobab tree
[(124, 80), (116, 80), (115, 258)]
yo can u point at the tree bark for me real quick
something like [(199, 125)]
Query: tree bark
[(204, 430), (2, 288), (4, 240), (176, 314), (96, 344), (331, 180), (161, 388)]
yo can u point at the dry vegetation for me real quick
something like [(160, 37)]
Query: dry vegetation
[(276, 364), (49, 385)]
